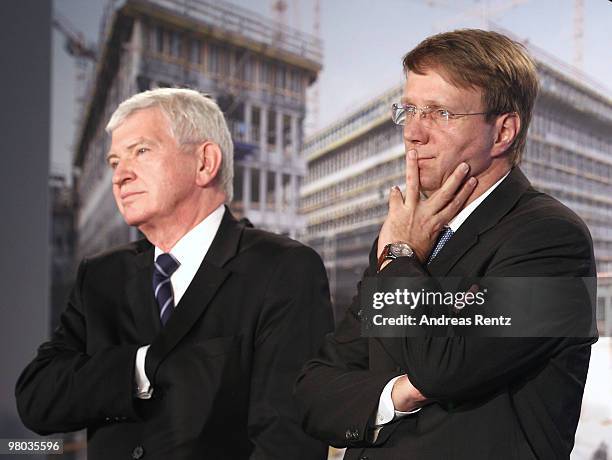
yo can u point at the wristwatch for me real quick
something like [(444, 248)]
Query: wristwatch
[(393, 251)]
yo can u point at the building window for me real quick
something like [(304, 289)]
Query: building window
[(175, 44), (225, 56), (159, 39), (286, 131), (195, 56), (255, 123), (271, 128), (254, 187), (287, 192), (238, 183), (270, 76), (264, 71), (249, 69), (271, 189), (601, 308), (281, 82), (213, 59)]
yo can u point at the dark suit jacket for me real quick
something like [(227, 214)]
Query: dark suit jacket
[(496, 398), (222, 368)]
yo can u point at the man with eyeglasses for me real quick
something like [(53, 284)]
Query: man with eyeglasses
[(467, 211)]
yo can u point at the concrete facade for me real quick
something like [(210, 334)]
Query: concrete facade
[(255, 69)]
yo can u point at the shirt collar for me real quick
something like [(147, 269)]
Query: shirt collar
[(200, 236), (190, 251), (460, 218)]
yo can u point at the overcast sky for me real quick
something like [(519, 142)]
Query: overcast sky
[(364, 42)]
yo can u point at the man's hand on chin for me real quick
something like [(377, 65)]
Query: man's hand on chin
[(418, 222)]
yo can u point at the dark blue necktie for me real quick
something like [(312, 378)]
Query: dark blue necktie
[(443, 238), (165, 265)]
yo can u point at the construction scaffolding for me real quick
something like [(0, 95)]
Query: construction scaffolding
[(258, 77)]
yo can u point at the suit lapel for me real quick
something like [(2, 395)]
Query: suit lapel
[(485, 216), (202, 289)]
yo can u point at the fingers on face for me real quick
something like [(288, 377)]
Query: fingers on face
[(450, 188), (412, 177), (457, 202), (395, 197)]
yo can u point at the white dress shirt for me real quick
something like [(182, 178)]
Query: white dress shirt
[(189, 251), (386, 410)]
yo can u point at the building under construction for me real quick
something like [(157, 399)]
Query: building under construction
[(353, 163), (256, 69)]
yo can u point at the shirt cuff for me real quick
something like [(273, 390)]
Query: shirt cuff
[(386, 410), (143, 386)]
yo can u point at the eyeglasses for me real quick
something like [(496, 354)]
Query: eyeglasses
[(431, 116)]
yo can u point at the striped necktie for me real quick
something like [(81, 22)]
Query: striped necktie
[(443, 238), (165, 265)]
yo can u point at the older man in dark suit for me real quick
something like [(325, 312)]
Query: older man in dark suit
[(465, 111), (183, 345)]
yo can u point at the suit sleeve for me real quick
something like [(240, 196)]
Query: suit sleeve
[(66, 389), (458, 369), (295, 318), (338, 393)]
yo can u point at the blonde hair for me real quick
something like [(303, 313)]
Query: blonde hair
[(489, 61)]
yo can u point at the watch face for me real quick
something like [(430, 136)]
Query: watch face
[(401, 250)]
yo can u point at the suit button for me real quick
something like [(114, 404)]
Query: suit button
[(364, 458), (138, 452), (351, 434)]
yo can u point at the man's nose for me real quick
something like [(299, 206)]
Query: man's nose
[(415, 130), (123, 172)]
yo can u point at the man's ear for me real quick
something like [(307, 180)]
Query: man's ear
[(209, 163), (507, 127)]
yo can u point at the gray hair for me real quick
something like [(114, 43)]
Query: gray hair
[(193, 118)]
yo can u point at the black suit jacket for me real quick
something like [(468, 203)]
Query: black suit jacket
[(496, 398), (222, 368)]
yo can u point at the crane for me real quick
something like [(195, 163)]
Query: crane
[(77, 47), (75, 44)]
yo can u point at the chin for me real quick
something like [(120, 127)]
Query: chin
[(133, 220), (428, 187)]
